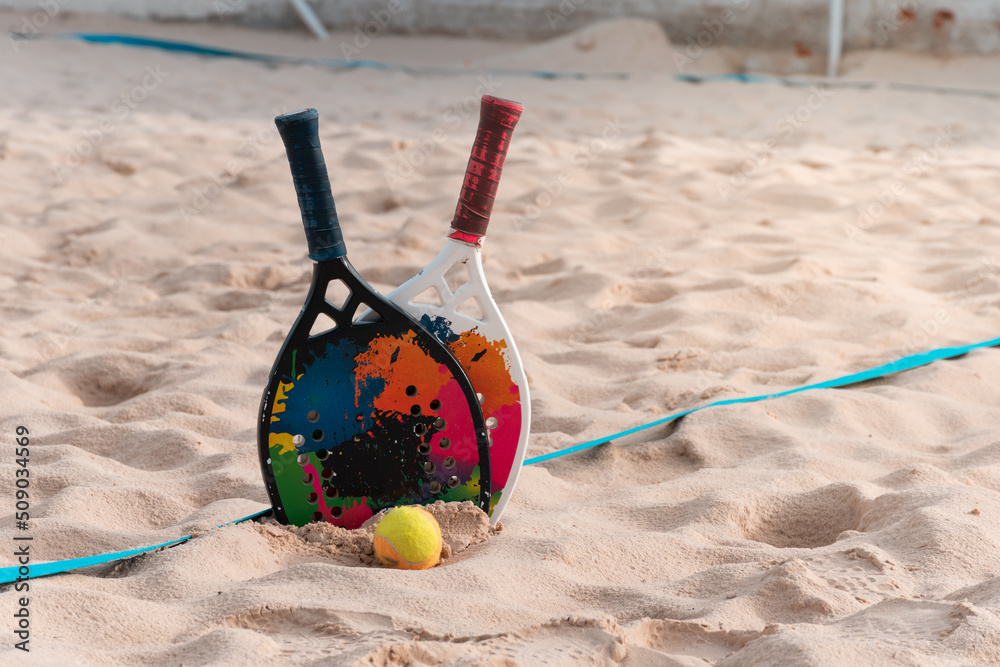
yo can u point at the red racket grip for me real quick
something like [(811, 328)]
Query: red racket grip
[(497, 118)]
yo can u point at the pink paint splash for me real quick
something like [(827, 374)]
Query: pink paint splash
[(505, 438)]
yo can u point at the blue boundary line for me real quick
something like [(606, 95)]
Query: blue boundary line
[(335, 63), (903, 364), (9, 575), (338, 63)]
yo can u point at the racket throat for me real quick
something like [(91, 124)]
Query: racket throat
[(344, 308)]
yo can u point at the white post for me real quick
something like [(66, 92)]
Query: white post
[(836, 37), (309, 17)]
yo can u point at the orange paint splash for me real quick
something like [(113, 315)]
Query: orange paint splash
[(411, 362), (485, 362)]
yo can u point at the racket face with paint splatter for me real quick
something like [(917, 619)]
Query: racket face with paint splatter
[(360, 415), (478, 336)]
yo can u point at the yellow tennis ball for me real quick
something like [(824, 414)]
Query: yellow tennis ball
[(408, 538)]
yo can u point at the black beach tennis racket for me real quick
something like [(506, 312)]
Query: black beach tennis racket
[(360, 415)]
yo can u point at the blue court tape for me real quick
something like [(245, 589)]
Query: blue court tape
[(334, 63), (11, 574), (338, 63), (903, 364)]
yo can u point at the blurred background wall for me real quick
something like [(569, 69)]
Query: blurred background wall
[(951, 26)]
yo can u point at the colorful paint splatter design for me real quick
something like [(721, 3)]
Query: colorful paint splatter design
[(397, 428), (487, 365)]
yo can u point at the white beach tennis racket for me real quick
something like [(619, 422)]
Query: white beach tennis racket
[(466, 318)]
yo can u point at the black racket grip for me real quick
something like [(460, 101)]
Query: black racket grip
[(299, 131), (497, 118)]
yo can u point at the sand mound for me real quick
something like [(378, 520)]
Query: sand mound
[(462, 525), (618, 45)]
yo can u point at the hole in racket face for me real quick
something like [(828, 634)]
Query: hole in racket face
[(471, 308), (457, 276), (365, 314), (322, 325), (429, 297), (337, 293)]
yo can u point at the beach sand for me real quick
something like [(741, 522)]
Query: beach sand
[(656, 245)]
